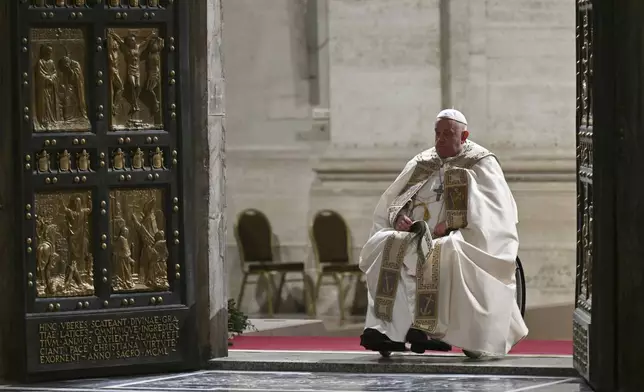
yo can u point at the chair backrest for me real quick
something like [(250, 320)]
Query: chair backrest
[(254, 236), (330, 237)]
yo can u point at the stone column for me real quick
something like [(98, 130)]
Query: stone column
[(209, 171)]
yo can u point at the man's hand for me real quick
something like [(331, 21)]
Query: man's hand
[(403, 223), (440, 229)]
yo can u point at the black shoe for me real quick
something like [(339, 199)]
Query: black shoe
[(376, 341), (421, 343)]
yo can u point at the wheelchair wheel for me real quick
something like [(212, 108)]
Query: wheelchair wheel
[(385, 354), (520, 277)]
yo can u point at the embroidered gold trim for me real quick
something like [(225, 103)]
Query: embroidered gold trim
[(402, 200), (393, 256), (427, 291), (427, 163), (456, 198)]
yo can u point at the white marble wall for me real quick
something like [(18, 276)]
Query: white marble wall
[(510, 68), (385, 71)]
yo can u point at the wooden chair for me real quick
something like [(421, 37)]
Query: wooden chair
[(331, 241), (256, 242)]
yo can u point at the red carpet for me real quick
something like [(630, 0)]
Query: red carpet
[(326, 343)]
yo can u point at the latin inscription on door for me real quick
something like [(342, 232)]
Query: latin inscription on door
[(67, 342), (101, 340)]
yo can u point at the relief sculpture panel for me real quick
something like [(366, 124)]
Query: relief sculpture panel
[(139, 250), (64, 260), (135, 78), (59, 3), (59, 100), (65, 161)]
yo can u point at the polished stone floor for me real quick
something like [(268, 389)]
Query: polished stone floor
[(239, 381)]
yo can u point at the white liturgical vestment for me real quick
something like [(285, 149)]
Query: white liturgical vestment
[(459, 288)]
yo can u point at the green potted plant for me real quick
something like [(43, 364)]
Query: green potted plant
[(237, 321)]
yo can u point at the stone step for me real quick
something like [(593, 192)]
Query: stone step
[(370, 362)]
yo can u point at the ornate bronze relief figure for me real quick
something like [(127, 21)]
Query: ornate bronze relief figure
[(46, 94), (153, 66), (138, 159), (118, 160), (114, 52), (64, 161), (140, 86), (157, 159), (83, 162), (140, 253), (59, 91), (43, 161), (63, 254)]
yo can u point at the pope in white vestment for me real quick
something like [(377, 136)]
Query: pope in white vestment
[(440, 262)]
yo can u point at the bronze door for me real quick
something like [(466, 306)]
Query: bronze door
[(100, 139), (583, 291)]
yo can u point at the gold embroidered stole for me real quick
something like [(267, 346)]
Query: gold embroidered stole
[(428, 268), (456, 197), (427, 285), (393, 256)]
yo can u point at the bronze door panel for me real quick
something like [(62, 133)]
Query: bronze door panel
[(101, 183), (135, 78), (78, 161), (59, 95), (111, 3), (64, 251), (139, 249)]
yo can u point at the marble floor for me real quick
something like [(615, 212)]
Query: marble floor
[(240, 381)]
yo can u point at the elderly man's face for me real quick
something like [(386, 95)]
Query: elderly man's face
[(450, 137)]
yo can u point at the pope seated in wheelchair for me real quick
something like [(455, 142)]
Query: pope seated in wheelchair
[(440, 261)]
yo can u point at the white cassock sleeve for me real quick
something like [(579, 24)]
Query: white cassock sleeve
[(381, 228)]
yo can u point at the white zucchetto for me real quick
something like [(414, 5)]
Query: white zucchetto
[(452, 114)]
